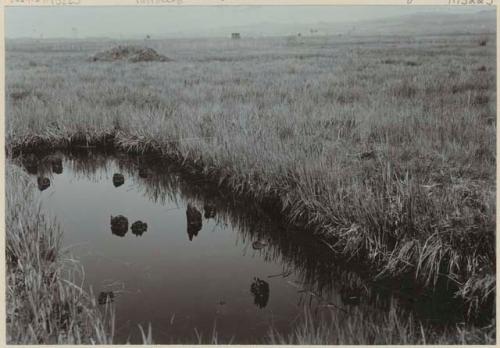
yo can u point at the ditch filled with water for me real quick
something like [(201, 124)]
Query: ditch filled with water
[(193, 260)]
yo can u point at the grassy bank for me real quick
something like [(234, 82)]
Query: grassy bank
[(44, 303), (387, 328), (387, 154)]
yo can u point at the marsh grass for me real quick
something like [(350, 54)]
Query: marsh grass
[(392, 165), (45, 304), (391, 328), (333, 327)]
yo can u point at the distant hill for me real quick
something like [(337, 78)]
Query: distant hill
[(420, 23), (433, 23), (417, 23)]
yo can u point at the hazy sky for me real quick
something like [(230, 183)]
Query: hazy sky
[(192, 21)]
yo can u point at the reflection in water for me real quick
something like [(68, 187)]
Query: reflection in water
[(210, 210), (194, 223), (119, 225), (30, 163), (318, 274), (143, 172), (139, 227), (42, 166), (43, 183), (57, 166), (118, 179), (260, 291)]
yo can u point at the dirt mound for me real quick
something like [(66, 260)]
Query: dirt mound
[(132, 54)]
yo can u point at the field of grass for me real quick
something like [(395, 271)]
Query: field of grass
[(384, 147)]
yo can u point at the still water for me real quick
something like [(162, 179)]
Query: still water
[(184, 257)]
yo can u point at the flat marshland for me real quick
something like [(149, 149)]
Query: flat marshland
[(381, 147)]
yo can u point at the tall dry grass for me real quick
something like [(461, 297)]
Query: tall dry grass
[(391, 328), (385, 149), (45, 304)]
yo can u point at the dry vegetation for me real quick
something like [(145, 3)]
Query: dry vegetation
[(392, 328), (44, 303), (386, 147)]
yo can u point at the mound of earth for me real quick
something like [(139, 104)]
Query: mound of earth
[(132, 54)]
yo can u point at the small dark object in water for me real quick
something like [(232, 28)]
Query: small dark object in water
[(209, 210), (143, 173), (118, 179), (259, 244), (260, 291), (119, 225), (43, 183), (105, 297), (481, 68), (139, 227), (194, 223)]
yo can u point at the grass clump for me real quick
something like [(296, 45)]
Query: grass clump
[(44, 303)]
